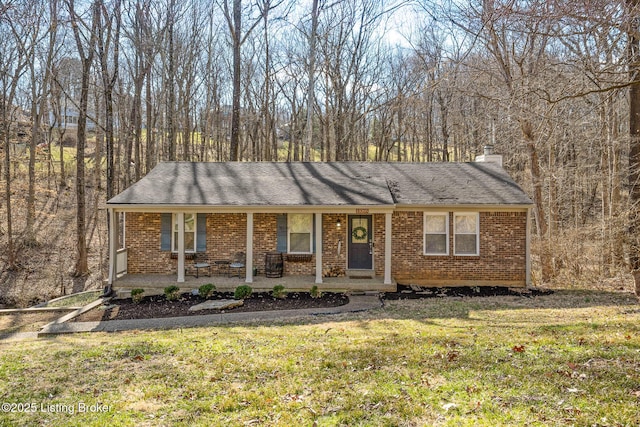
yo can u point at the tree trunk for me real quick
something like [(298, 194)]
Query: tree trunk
[(86, 56), (311, 75), (634, 141), (172, 96), (235, 112), (538, 201)]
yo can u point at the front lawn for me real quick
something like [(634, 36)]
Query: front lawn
[(570, 358)]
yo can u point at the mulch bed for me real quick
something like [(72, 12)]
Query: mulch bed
[(407, 292), (158, 306)]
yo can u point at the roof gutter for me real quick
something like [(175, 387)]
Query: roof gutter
[(255, 208)]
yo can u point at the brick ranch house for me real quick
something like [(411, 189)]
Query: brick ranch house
[(431, 224)]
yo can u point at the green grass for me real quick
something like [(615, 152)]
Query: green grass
[(75, 300), (572, 358)]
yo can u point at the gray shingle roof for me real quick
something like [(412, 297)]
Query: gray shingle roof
[(323, 184)]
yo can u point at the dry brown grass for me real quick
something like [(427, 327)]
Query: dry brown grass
[(26, 322)]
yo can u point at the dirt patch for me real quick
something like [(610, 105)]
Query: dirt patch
[(159, 307), (26, 322)]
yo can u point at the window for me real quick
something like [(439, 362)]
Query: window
[(189, 233), (195, 227), (436, 233), (300, 230), (465, 233)]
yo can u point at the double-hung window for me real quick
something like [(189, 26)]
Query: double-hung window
[(436, 233), (466, 232), (300, 233), (189, 233), (195, 232)]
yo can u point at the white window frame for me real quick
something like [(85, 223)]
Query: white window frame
[(174, 224), (289, 216), (477, 232), (424, 234)]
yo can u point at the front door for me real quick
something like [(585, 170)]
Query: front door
[(360, 242)]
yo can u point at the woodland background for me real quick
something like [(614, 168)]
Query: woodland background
[(93, 94)]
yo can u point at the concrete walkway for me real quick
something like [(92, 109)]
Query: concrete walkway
[(356, 303)]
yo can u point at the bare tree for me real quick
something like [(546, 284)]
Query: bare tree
[(13, 62), (85, 38), (311, 69), (238, 37), (634, 136), (108, 47)]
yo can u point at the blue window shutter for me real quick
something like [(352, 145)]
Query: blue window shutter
[(165, 231), (281, 245), (201, 236)]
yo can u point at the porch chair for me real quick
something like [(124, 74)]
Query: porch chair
[(237, 264), (200, 261)]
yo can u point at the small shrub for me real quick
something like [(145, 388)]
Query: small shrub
[(279, 292), (205, 291), (242, 292), (315, 292), (172, 292), (137, 295)]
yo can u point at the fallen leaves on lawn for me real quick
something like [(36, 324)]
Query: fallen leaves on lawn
[(518, 349)]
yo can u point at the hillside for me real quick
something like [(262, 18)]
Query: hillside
[(45, 270)]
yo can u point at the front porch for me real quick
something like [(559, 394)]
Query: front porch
[(155, 283)]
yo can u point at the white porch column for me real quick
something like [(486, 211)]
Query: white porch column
[(387, 248), (113, 245), (318, 248), (249, 259), (180, 219)]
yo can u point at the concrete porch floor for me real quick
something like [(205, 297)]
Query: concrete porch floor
[(155, 283)]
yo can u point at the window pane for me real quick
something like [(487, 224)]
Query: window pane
[(465, 244), (436, 224), (436, 243), (299, 242), (359, 230), (300, 223), (189, 223), (189, 233), (466, 224), (189, 241)]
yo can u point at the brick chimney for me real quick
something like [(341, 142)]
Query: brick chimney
[(488, 156)]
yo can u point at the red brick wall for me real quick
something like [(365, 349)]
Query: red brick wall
[(143, 245), (265, 239), (378, 244), (502, 258), (226, 235), (334, 238)]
